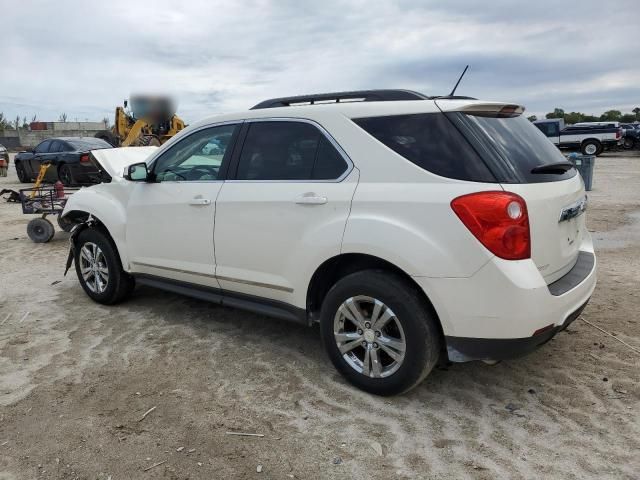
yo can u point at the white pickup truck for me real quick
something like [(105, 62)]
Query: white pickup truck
[(590, 137)]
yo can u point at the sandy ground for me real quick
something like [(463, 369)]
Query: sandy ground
[(76, 378)]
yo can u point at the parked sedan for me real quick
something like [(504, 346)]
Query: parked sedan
[(69, 158)]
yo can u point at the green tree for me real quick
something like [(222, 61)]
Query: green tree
[(557, 113), (628, 118), (574, 117), (637, 112), (532, 118), (611, 116), (4, 123)]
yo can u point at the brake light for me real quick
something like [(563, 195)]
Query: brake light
[(499, 220), (618, 134), (84, 158)]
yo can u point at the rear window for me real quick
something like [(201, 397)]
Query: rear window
[(89, 144), (512, 147), (430, 141)]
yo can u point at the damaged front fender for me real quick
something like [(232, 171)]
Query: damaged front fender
[(75, 231)]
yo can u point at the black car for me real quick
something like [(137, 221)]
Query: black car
[(69, 158)]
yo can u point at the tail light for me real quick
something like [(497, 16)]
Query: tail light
[(84, 158), (499, 220), (618, 134)]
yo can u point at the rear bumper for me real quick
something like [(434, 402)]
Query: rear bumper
[(462, 349), (507, 309)]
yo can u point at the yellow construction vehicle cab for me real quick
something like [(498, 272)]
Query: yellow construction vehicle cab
[(144, 120)]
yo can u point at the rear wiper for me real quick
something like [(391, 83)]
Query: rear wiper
[(558, 167)]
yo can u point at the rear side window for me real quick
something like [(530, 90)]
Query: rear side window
[(43, 147), (430, 141), (549, 129), (284, 150), (514, 147)]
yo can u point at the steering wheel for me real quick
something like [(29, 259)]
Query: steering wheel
[(198, 172)]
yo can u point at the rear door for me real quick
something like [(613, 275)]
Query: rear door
[(555, 200), (283, 209)]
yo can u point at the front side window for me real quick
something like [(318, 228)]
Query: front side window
[(198, 157), (283, 150)]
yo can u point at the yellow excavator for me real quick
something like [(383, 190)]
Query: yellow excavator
[(143, 120)]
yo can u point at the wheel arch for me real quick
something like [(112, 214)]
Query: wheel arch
[(339, 266), (107, 212)]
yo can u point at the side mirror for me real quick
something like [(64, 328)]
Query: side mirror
[(137, 172)]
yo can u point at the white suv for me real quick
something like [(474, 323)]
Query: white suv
[(413, 229)]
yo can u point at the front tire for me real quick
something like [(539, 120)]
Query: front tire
[(99, 269), (379, 333), (22, 175)]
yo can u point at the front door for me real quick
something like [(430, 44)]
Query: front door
[(170, 220), (284, 209)]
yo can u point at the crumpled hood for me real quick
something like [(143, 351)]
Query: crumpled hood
[(115, 160)]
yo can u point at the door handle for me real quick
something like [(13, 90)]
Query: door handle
[(311, 198), (199, 201)]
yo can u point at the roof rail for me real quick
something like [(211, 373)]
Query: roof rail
[(452, 97), (337, 97)]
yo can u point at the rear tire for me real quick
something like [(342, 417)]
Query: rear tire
[(396, 327), (22, 175), (40, 230), (591, 147), (65, 175), (99, 268)]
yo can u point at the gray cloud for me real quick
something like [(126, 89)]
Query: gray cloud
[(83, 58)]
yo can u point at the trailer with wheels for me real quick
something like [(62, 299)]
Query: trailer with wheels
[(45, 200)]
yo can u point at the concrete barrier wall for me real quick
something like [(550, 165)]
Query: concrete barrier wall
[(29, 139)]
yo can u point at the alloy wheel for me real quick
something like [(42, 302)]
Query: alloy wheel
[(93, 267), (369, 336)]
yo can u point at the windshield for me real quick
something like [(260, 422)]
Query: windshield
[(515, 147)]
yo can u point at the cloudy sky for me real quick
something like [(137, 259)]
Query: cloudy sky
[(84, 58)]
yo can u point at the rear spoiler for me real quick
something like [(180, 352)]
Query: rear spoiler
[(491, 109)]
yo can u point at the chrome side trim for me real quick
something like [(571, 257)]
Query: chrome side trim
[(227, 279), (178, 270), (256, 284)]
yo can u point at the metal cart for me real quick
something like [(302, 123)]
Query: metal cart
[(45, 200)]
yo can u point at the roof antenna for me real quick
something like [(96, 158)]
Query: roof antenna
[(458, 82)]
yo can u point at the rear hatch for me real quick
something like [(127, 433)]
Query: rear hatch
[(526, 163)]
